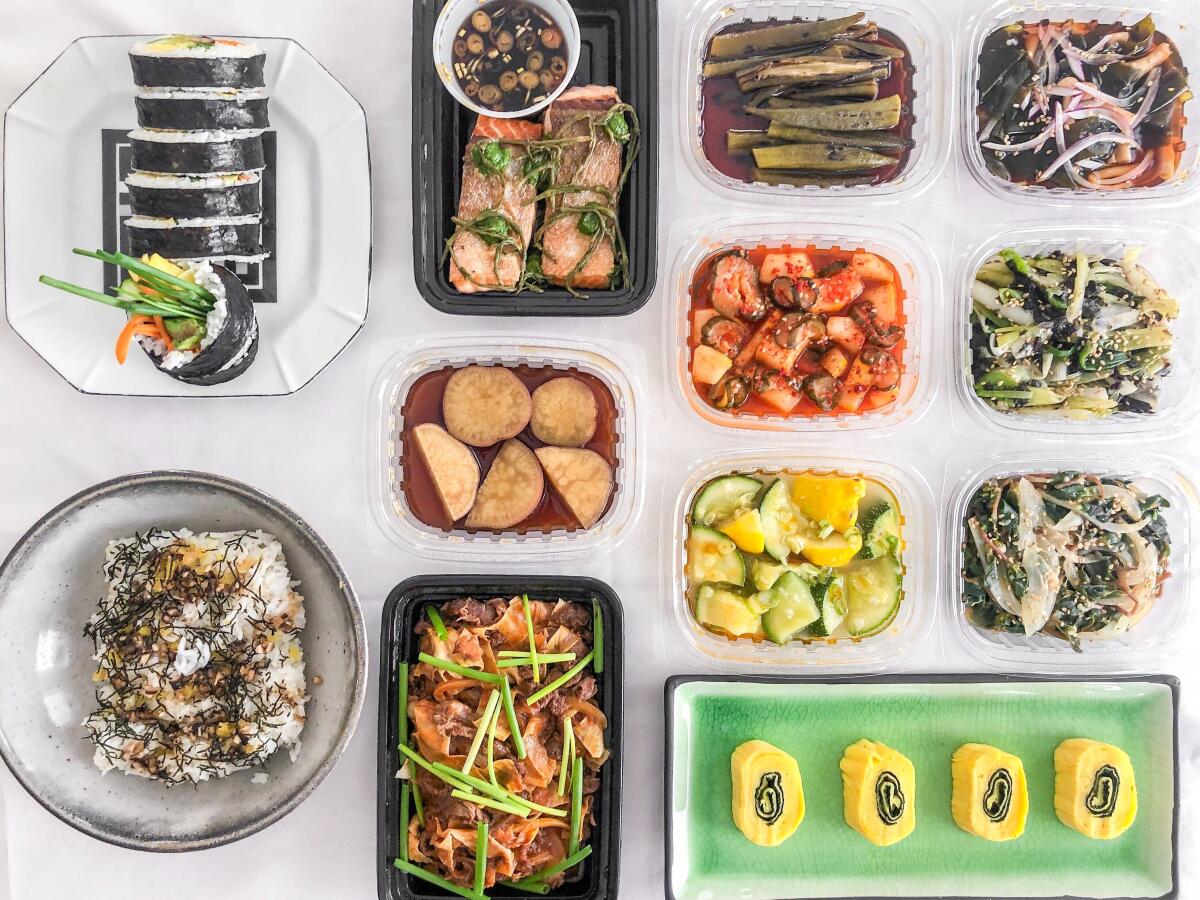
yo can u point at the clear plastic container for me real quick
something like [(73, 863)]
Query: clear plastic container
[(1170, 253), (1174, 18), (695, 240), (1148, 645), (391, 506), (912, 21), (918, 555)]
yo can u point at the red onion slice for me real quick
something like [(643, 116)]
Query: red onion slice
[(1083, 144)]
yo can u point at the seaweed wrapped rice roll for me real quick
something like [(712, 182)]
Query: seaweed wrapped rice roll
[(194, 196), (183, 60), (198, 152), (193, 319), (232, 237), (201, 109)]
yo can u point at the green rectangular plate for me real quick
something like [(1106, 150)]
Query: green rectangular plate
[(926, 717)]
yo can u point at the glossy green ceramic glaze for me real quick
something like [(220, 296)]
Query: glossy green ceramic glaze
[(926, 721)]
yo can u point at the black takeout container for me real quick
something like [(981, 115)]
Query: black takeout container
[(398, 644), (619, 47)]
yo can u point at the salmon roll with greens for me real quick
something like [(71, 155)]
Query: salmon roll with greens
[(580, 238), (201, 109), (198, 152), (496, 208), (184, 60), (194, 196)]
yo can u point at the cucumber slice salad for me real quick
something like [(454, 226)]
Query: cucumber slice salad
[(766, 563)]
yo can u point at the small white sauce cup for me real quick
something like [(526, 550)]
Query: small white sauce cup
[(455, 12)]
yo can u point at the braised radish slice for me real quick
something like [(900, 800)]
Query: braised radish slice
[(871, 267), (483, 405), (564, 412), (511, 491), (452, 467), (581, 478), (735, 290)]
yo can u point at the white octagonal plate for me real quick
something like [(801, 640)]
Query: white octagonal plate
[(62, 169)]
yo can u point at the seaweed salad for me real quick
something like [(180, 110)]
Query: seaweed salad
[(1076, 335), (1067, 554), (1081, 105)]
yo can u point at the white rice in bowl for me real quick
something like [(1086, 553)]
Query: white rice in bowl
[(200, 671)]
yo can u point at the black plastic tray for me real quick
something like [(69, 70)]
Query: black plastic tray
[(620, 47), (673, 683), (400, 614)]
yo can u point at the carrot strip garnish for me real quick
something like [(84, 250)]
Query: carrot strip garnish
[(166, 335), (135, 325)]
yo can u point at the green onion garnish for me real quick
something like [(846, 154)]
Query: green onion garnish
[(499, 805), (561, 680), (544, 659), (404, 819), (402, 702), (417, 802), (576, 803), (568, 752), (417, 872), (470, 782), (597, 638), (481, 848), (480, 730), (454, 779), (135, 265), (477, 674), (514, 726), (435, 619), (491, 745), (533, 655), (524, 654), (538, 879)]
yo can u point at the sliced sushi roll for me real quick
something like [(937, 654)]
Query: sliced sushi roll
[(202, 238), (185, 60), (197, 152), (194, 196), (200, 109), (194, 320)]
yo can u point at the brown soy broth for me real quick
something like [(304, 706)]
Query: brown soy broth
[(423, 404), (701, 296), (518, 32), (722, 101)]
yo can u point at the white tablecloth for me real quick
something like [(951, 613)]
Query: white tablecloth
[(310, 450)]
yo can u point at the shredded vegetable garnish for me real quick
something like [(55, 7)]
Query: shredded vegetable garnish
[(1066, 554), (1069, 334), (465, 733)]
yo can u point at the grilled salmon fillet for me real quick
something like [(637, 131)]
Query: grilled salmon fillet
[(563, 244), (474, 265)]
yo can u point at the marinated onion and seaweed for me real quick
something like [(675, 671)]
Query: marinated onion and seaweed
[(822, 102), (797, 332), (1072, 334), (1072, 555), (502, 737), (1081, 105)]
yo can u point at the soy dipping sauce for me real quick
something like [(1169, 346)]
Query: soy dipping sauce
[(509, 55)]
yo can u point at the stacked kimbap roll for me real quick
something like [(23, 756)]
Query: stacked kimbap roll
[(196, 186)]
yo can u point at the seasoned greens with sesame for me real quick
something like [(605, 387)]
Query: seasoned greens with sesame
[(1075, 335), (1067, 554), (200, 671)]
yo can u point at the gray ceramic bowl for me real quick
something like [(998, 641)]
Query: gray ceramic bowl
[(49, 586)]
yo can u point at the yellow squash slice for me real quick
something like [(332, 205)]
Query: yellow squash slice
[(990, 797), (1094, 791), (879, 789), (830, 498), (768, 796)]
